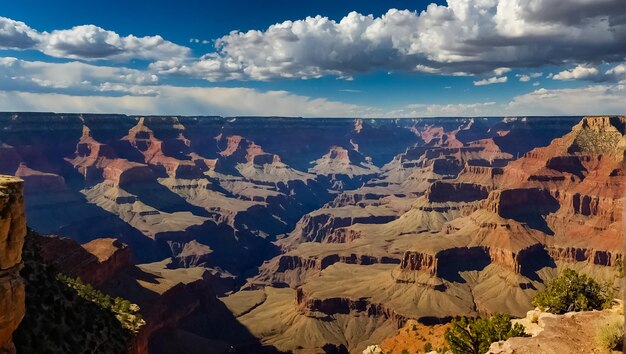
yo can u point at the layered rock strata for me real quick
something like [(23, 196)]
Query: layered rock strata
[(12, 232)]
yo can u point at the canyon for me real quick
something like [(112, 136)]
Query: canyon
[(272, 234)]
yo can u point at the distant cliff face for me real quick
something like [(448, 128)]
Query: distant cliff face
[(12, 232)]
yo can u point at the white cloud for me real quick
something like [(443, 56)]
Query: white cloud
[(447, 110), (598, 99), (491, 80), (579, 72), (88, 42), (462, 37), (590, 73), (196, 40), (72, 77), (16, 34), (187, 100), (92, 42), (527, 77), (616, 73), (501, 71)]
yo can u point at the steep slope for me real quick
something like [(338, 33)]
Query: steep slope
[(12, 231), (59, 319)]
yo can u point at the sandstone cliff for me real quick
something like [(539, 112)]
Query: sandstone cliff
[(12, 232)]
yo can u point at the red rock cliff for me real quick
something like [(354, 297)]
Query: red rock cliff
[(12, 232)]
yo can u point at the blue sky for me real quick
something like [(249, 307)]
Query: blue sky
[(358, 58)]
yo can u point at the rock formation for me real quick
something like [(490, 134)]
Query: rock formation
[(12, 232)]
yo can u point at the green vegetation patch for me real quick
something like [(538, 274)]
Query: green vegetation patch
[(468, 335), (611, 335), (572, 291), (125, 312)]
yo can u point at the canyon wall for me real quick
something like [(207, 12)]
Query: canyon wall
[(334, 228), (12, 232)]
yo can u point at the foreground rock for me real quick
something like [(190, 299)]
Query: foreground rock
[(12, 232), (573, 332)]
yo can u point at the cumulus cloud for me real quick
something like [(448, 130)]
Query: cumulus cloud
[(590, 73), (87, 42), (617, 73), (72, 78), (461, 37), (501, 71), (579, 72), (491, 80), (596, 99), (527, 77), (16, 35)]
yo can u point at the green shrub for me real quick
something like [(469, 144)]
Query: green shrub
[(611, 335), (428, 347), (468, 335), (572, 291), (125, 312)]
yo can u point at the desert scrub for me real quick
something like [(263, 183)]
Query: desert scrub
[(125, 312), (610, 335), (468, 335), (572, 291)]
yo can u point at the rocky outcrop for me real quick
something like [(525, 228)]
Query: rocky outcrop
[(449, 261), (171, 307), (521, 202), (166, 156), (96, 162), (419, 261), (588, 255), (456, 192), (344, 168), (12, 232), (95, 262), (332, 306), (293, 270), (572, 332), (320, 225)]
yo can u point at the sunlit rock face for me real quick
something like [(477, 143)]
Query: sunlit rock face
[(12, 232)]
